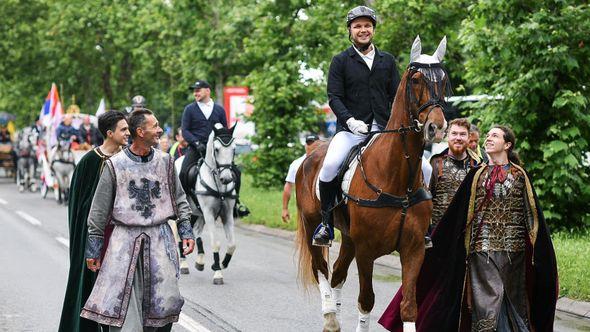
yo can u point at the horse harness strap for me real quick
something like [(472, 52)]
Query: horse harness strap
[(209, 191), (389, 200)]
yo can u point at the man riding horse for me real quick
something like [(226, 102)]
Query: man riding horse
[(362, 83), (198, 120)]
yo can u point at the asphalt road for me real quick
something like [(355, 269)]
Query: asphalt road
[(260, 293)]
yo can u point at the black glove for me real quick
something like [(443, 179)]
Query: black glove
[(199, 147)]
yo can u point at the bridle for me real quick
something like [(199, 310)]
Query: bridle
[(226, 140), (435, 100)]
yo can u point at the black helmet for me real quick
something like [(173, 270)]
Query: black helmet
[(138, 101), (361, 11)]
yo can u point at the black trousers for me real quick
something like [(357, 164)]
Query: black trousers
[(191, 158)]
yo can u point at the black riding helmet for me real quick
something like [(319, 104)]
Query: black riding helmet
[(361, 11)]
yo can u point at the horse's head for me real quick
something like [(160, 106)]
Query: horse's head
[(220, 152), (427, 85)]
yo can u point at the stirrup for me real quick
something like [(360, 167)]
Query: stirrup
[(428, 242), (240, 210), (323, 235)]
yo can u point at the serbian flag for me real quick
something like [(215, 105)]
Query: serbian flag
[(52, 112)]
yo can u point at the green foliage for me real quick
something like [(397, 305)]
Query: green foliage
[(571, 249), (531, 54), (283, 41), (401, 21), (266, 205)]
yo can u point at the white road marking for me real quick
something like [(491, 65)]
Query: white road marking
[(32, 220), (3, 201), (63, 241), (191, 324)]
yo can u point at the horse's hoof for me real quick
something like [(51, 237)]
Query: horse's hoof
[(218, 281), (199, 267), (331, 323), (184, 270)]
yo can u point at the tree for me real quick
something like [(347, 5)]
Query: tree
[(21, 79), (288, 36), (534, 55), (401, 21)]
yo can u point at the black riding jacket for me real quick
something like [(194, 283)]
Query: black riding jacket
[(355, 91)]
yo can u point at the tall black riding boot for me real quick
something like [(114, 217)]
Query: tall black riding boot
[(324, 233)]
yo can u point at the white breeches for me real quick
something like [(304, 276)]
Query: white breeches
[(338, 150)]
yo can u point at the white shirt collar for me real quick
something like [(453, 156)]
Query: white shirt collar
[(370, 55)]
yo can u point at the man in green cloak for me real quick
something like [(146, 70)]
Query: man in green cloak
[(115, 130)]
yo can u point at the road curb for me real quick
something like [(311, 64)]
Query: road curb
[(577, 308)]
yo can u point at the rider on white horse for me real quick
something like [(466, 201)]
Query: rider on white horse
[(198, 120)]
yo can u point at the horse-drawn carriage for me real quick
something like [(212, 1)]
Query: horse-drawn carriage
[(58, 162), (7, 159), (7, 154)]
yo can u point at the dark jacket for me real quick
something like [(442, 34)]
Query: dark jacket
[(65, 132), (355, 91), (90, 136), (196, 127)]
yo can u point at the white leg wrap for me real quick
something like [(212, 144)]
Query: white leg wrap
[(328, 303), (337, 295), (409, 327), (363, 322), (201, 259), (217, 274)]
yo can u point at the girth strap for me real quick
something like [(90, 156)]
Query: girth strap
[(212, 192), (389, 200)]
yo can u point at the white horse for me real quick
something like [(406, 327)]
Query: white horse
[(26, 164), (216, 195), (62, 166)]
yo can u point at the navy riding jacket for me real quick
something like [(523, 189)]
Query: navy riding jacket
[(196, 127)]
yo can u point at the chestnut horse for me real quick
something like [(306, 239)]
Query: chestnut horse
[(387, 208)]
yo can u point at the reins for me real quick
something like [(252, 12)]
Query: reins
[(411, 197)]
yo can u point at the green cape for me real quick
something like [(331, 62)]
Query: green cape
[(80, 279)]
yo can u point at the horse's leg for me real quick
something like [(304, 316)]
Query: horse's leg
[(345, 257), (411, 257), (209, 205), (20, 176), (228, 227), (366, 299)]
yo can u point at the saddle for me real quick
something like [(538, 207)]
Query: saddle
[(346, 170), (192, 174), (346, 173)]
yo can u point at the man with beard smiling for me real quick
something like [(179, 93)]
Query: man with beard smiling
[(450, 167), (362, 83)]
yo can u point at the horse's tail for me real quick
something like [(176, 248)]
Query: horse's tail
[(305, 273)]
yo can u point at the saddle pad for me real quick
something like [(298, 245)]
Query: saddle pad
[(348, 174)]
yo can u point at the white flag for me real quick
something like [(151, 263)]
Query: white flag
[(101, 108)]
